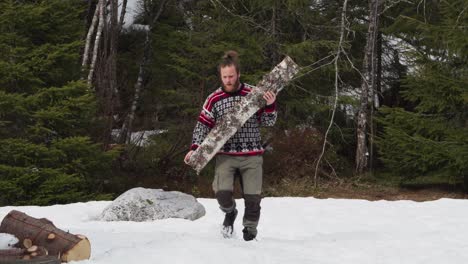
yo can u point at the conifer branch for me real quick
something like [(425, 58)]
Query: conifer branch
[(245, 18)]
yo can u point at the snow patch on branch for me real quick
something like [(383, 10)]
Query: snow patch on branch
[(139, 138)]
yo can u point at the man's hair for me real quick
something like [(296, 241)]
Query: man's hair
[(230, 58)]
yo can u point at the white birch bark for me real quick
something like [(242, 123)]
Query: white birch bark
[(126, 130), (240, 113), (122, 14), (97, 41), (88, 38)]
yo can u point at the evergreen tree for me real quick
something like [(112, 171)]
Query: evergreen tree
[(428, 138), (45, 115)]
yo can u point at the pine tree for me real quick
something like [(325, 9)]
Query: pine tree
[(428, 138), (46, 155)]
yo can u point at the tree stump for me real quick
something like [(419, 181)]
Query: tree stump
[(225, 128), (35, 234)]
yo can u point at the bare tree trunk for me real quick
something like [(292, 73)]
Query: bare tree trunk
[(113, 46), (126, 130), (241, 112), (378, 77), (102, 75), (377, 95), (90, 12), (97, 41), (88, 38), (339, 50), (367, 87), (122, 14)]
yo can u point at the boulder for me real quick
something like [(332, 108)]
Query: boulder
[(141, 204)]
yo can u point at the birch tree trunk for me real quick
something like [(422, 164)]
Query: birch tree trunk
[(126, 130), (377, 93), (241, 112), (122, 15), (367, 86), (97, 41), (114, 32), (90, 34)]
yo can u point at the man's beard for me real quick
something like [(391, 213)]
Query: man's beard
[(235, 87)]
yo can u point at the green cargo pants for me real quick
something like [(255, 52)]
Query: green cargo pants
[(251, 172)]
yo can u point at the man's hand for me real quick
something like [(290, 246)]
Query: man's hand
[(187, 157), (269, 97)]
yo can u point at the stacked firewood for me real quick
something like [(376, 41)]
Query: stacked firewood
[(39, 238), (23, 253)]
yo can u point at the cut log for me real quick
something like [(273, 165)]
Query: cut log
[(32, 249), (41, 251), (51, 236), (68, 246), (10, 254), (80, 251), (19, 253), (32, 260), (227, 126), (27, 243)]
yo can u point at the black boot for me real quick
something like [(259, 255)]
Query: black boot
[(248, 235), (228, 223)]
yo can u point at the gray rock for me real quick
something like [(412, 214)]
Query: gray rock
[(140, 204)]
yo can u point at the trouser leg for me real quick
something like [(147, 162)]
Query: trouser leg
[(252, 212), (223, 182), (252, 173)]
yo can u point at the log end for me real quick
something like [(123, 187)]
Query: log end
[(27, 243), (32, 249), (51, 236), (81, 251)]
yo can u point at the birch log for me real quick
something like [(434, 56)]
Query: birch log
[(227, 126), (43, 234)]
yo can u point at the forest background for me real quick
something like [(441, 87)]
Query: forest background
[(93, 103)]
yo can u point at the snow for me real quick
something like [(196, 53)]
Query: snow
[(7, 240), (291, 230), (140, 138), (130, 11)]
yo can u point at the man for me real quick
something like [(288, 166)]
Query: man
[(242, 153)]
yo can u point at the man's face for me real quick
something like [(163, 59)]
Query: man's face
[(230, 78)]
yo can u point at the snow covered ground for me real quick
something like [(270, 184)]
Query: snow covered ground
[(292, 230)]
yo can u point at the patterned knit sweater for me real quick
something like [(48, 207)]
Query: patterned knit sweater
[(247, 140)]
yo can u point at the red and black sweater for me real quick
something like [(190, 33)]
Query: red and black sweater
[(247, 140)]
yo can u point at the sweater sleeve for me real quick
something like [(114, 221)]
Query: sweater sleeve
[(206, 121), (268, 115)]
